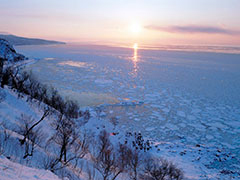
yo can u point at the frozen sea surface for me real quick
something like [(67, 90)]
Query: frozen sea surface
[(189, 98)]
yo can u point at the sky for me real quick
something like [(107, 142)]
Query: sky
[(146, 22)]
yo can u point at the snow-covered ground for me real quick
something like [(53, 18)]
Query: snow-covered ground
[(10, 170), (188, 102)]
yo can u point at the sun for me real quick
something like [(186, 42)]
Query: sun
[(135, 28), (135, 46)]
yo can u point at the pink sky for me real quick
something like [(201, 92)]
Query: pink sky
[(125, 22)]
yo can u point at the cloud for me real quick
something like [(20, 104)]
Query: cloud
[(193, 29)]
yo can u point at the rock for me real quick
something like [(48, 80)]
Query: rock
[(8, 53)]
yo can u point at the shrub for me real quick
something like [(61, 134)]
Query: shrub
[(160, 169)]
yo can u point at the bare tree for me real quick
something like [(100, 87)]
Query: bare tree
[(72, 146), (2, 95), (34, 138), (109, 161), (20, 80), (4, 137), (104, 159), (114, 121), (31, 136), (79, 169), (51, 162), (123, 155), (1, 68), (6, 76), (33, 88), (25, 83), (30, 124), (91, 172), (159, 169), (68, 145), (13, 73), (134, 163), (64, 136), (71, 109)]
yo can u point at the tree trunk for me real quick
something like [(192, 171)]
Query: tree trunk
[(119, 172), (46, 113)]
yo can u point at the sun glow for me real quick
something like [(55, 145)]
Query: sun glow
[(135, 46), (135, 28)]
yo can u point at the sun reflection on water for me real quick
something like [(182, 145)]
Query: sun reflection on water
[(135, 57)]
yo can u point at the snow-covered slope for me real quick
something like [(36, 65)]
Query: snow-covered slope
[(7, 52), (10, 170)]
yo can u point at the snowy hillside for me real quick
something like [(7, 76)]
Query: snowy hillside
[(10, 170), (10, 108), (7, 52)]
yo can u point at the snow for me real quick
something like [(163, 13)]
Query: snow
[(191, 117), (12, 108), (7, 52), (10, 170), (103, 81), (150, 128), (136, 119), (181, 114), (70, 63)]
